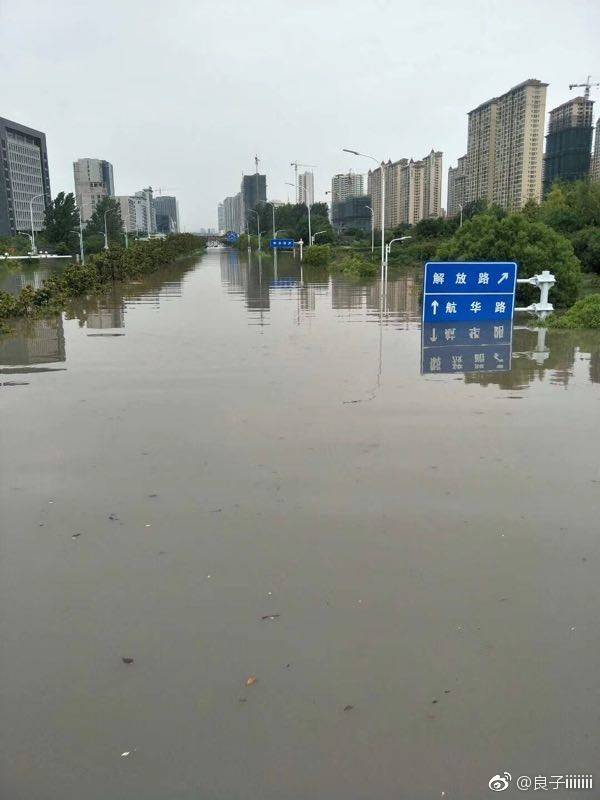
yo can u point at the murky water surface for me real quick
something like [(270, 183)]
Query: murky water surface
[(223, 473)]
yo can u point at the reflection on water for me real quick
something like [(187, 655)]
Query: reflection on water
[(39, 341), (256, 479), (465, 347), (13, 278), (260, 283)]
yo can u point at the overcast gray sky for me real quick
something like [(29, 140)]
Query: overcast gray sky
[(182, 94)]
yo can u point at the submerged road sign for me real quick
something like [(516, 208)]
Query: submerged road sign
[(231, 237), (469, 291), (281, 244)]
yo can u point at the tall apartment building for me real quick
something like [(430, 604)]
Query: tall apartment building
[(306, 188), (145, 217), (505, 146), (458, 178), (24, 178), (413, 190), (127, 209), (93, 182), (353, 212), (232, 213), (166, 212), (253, 192), (595, 165), (221, 218), (432, 184), (569, 142), (345, 185)]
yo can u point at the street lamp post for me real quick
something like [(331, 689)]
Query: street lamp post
[(309, 226), (461, 212), (248, 235), (287, 183), (258, 231), (372, 228), (388, 247), (382, 165), (81, 251), (105, 232), (33, 247), (273, 210), (314, 236)]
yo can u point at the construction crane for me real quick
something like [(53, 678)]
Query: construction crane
[(588, 85), (295, 165)]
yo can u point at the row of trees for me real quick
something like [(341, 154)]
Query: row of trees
[(562, 233), (100, 269), (292, 220), (61, 228)]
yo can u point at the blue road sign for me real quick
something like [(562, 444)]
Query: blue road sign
[(284, 283), (231, 237), (281, 244), (469, 291), (450, 347)]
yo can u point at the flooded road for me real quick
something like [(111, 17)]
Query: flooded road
[(222, 474)]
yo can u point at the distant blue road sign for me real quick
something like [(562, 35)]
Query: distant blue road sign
[(450, 347), (469, 291), (231, 237), (281, 244), (284, 283)]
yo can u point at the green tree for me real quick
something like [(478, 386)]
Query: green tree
[(557, 212), (586, 244), (18, 245), (429, 228), (584, 314), (114, 225), (533, 245), (61, 223)]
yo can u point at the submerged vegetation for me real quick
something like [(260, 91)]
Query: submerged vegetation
[(585, 313), (116, 264)]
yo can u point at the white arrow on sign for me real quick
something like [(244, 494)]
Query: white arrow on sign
[(434, 306), (433, 337), (504, 277)]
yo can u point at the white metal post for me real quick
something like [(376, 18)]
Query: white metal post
[(544, 282), (309, 227), (81, 241), (105, 232), (382, 219)]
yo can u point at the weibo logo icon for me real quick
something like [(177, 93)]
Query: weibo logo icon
[(500, 782)]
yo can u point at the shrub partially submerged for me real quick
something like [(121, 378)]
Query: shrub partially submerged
[(317, 255), (584, 313), (358, 266), (117, 263)]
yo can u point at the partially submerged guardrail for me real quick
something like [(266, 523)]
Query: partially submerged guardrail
[(544, 282)]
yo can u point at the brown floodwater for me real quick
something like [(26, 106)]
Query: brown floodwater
[(223, 474)]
